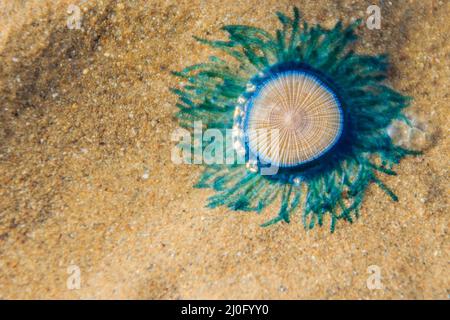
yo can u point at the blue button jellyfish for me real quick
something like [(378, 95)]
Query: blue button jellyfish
[(301, 102)]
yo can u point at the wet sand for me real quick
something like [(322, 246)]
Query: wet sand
[(86, 178)]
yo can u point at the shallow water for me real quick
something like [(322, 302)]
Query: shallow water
[(87, 181)]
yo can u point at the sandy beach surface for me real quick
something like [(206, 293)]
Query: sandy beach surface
[(87, 186)]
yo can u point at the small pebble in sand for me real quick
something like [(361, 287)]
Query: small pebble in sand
[(146, 175)]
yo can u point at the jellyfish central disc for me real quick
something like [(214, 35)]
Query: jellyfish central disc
[(293, 118)]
